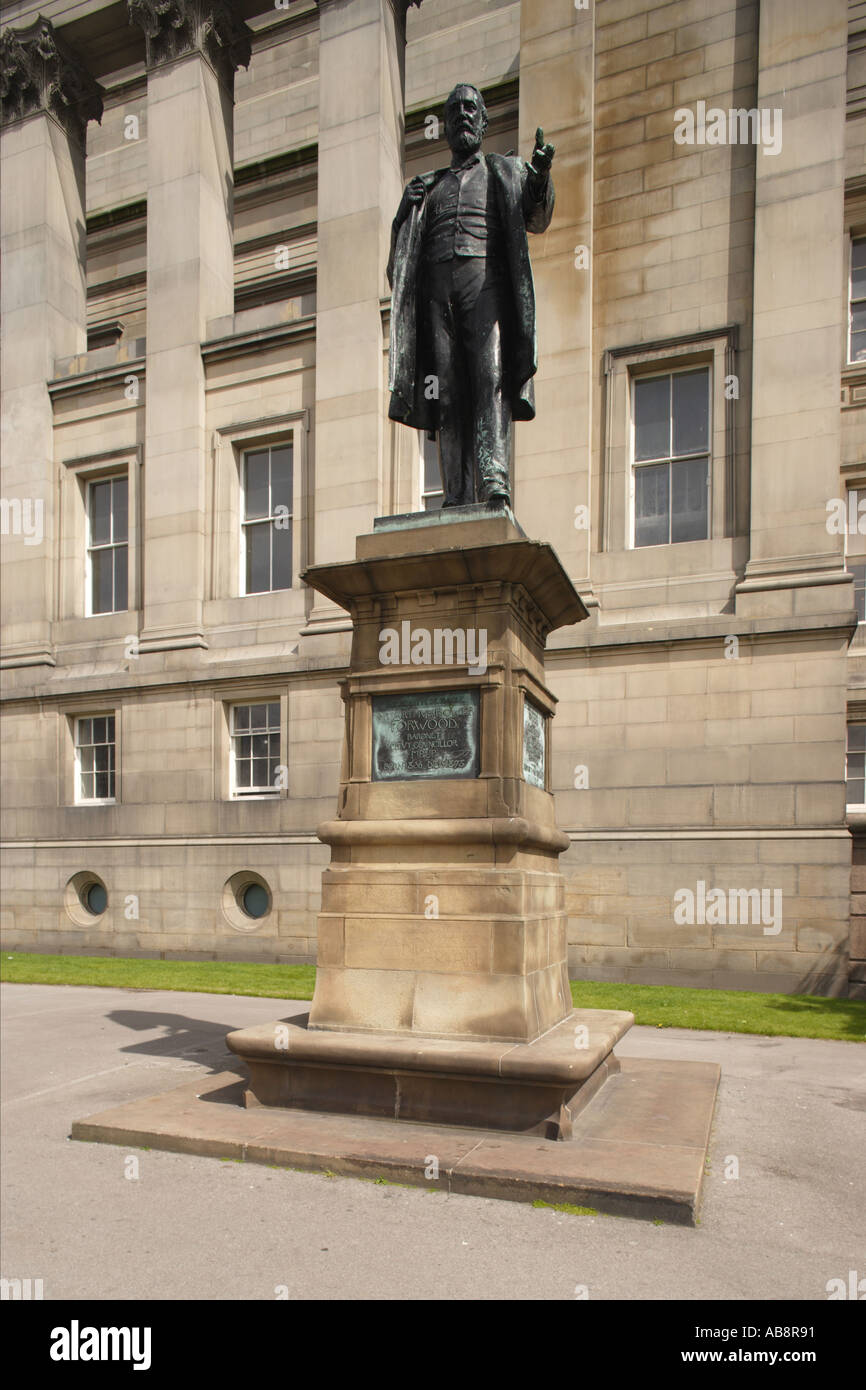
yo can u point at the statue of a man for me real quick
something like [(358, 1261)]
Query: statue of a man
[(463, 308)]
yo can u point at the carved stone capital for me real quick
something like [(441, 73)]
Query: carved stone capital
[(40, 72), (174, 28)]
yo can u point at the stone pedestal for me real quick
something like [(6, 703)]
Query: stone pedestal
[(441, 1047), (443, 910), (442, 991)]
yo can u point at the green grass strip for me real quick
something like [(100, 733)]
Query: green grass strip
[(195, 977), (659, 1006), (729, 1011)]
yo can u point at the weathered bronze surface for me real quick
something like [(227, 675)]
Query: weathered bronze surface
[(533, 744), (463, 351), (425, 735)]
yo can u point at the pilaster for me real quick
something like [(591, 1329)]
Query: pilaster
[(557, 56), (361, 126), (193, 48), (795, 565), (48, 96)]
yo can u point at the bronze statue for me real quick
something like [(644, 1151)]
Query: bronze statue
[(463, 349)]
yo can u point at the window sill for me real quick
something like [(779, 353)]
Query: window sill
[(269, 593), (721, 555)]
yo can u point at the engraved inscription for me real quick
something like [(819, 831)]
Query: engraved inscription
[(533, 744), (429, 734)]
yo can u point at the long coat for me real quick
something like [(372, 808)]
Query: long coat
[(410, 362)]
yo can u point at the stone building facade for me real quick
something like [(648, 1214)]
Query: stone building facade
[(195, 336)]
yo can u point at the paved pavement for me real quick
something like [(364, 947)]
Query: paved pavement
[(791, 1112)]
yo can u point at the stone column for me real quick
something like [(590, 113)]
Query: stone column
[(552, 453), (193, 50), (361, 125), (795, 566), (48, 98)]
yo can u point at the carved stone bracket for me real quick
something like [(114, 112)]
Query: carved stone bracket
[(40, 72), (174, 28)]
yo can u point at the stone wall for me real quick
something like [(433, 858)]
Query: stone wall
[(706, 699), (713, 769)]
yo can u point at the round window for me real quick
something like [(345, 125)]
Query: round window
[(95, 898), (247, 902), (254, 900), (85, 897)]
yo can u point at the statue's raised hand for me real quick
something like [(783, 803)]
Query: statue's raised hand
[(542, 155)]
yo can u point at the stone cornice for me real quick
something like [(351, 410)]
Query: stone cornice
[(114, 374), (258, 339), (400, 5), (39, 72), (174, 28), (696, 632)]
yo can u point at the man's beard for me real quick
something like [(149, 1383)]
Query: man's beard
[(465, 141)]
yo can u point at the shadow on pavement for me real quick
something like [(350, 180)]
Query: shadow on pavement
[(184, 1037)]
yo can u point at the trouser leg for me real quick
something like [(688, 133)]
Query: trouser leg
[(449, 366), (482, 307)]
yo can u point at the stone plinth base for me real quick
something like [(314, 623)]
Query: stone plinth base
[(639, 1150), (524, 1088), (491, 966)]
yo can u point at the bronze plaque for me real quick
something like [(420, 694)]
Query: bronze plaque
[(533, 744), (429, 734)]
